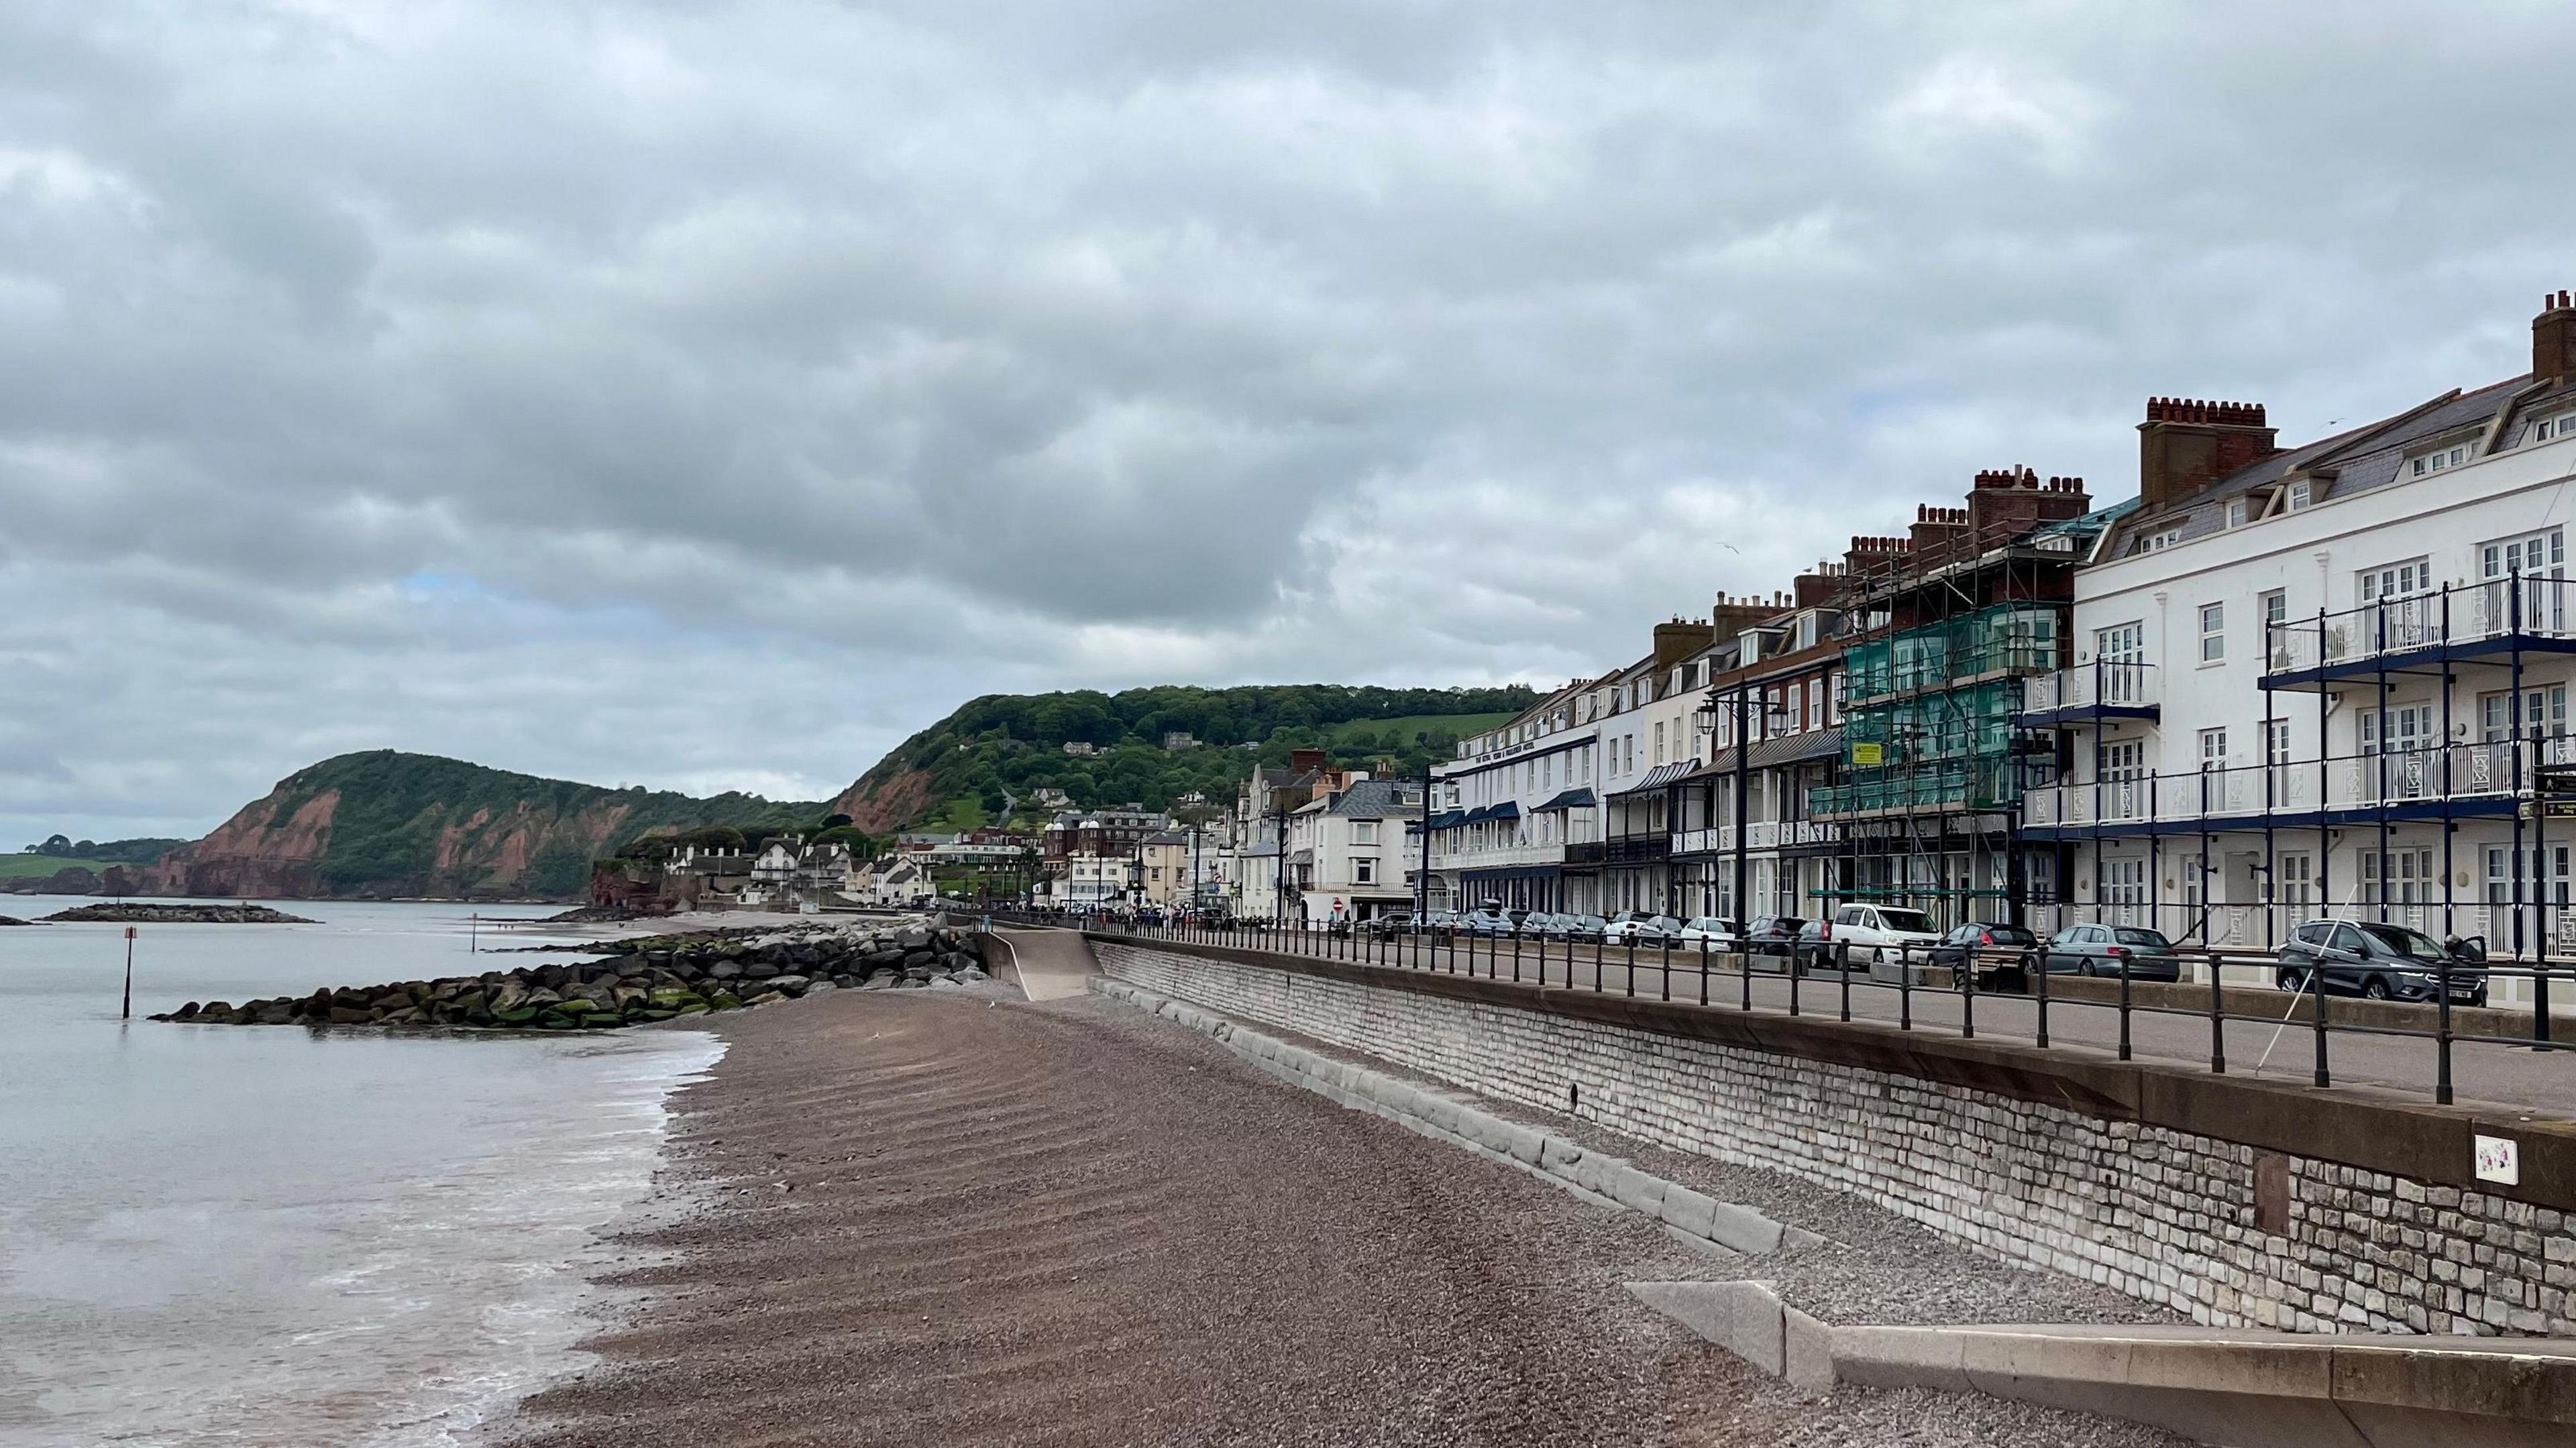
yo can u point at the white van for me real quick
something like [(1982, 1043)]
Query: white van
[(1872, 936)]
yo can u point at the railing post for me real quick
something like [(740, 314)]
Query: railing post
[(1796, 971), (2041, 986), (1967, 983), (1632, 962), (1665, 975), (2124, 1004), (1905, 988), (2317, 1003), (1597, 947), (1703, 970), (2442, 1037), (1744, 959), (1516, 955), (1904, 968)]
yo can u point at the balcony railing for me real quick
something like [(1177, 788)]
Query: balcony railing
[(1501, 857), (2103, 683), (1639, 849), (2361, 781), (2520, 605), (1960, 784), (1758, 835)]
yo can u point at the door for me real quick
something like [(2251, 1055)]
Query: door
[(2122, 649), (2538, 563)]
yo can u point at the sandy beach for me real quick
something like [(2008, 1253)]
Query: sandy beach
[(951, 1217)]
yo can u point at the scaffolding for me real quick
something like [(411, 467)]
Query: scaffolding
[(1946, 625)]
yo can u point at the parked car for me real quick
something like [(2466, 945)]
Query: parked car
[(1807, 951), (2382, 962), (1541, 925), (1441, 922), (1876, 937), (1391, 923), (1641, 928), (1583, 928), (2000, 954), (1487, 922), (1775, 937), (2101, 950), (1715, 931)]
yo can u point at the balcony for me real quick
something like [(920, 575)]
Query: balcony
[(1758, 835), (1639, 850), (2460, 622), (1933, 786), (2470, 779), (2102, 689), (1501, 858)]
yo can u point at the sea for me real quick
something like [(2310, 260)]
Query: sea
[(279, 1235)]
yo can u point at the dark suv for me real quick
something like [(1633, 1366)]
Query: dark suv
[(2381, 962)]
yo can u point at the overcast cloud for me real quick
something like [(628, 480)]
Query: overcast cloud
[(708, 395)]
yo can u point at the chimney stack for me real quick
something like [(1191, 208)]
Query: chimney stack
[(1733, 616), (2553, 339), (2185, 444), (1681, 638)]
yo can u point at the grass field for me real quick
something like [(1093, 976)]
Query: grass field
[(20, 866), (1457, 725)]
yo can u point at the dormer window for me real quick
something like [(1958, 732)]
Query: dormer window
[(2236, 513), (2424, 465), (2301, 493), (2557, 425), (2160, 541)]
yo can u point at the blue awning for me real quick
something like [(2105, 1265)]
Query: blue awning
[(1582, 798)]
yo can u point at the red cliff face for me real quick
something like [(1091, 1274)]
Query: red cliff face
[(253, 854), (885, 807), (385, 824)]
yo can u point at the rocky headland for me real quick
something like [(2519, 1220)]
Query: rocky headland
[(652, 978), (179, 915)]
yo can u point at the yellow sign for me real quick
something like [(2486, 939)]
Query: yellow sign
[(1866, 754)]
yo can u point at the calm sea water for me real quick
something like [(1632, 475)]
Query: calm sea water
[(269, 1235)]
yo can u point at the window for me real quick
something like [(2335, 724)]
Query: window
[(2236, 513), (2301, 493), (2560, 425), (2213, 632), (1816, 705), (2396, 580), (1797, 703), (2160, 541), (1834, 704), (2405, 729), (2501, 886), (1364, 832), (2123, 759), (1363, 871), (1659, 742), (2275, 608), (2121, 643), (2124, 888), (2294, 878), (2397, 877), (2213, 750), (2439, 459)]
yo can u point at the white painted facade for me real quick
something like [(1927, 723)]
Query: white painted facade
[(2192, 627)]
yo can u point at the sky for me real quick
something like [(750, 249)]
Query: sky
[(709, 395)]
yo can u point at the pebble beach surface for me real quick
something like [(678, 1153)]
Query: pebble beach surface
[(955, 1217)]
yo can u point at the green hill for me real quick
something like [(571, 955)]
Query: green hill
[(385, 824), (955, 773)]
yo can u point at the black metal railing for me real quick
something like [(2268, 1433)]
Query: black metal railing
[(1917, 987)]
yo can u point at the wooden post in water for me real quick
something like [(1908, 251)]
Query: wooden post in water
[(127, 1013)]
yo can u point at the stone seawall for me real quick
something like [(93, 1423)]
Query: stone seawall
[(2168, 1216)]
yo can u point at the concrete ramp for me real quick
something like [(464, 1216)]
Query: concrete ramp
[(2239, 1388), (1047, 965)]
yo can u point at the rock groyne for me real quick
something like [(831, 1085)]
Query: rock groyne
[(656, 978), (179, 915)]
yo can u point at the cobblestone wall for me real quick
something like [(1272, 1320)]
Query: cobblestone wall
[(2163, 1215)]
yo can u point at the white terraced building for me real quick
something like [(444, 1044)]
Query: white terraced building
[(2327, 679)]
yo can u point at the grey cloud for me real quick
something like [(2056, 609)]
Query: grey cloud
[(504, 379)]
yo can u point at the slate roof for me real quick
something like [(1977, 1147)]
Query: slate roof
[(1375, 799)]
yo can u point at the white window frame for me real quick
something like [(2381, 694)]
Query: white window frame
[(1363, 870), (2302, 493), (2440, 459), (2406, 578), (2294, 878), (2213, 632), (2556, 425), (2213, 750)]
